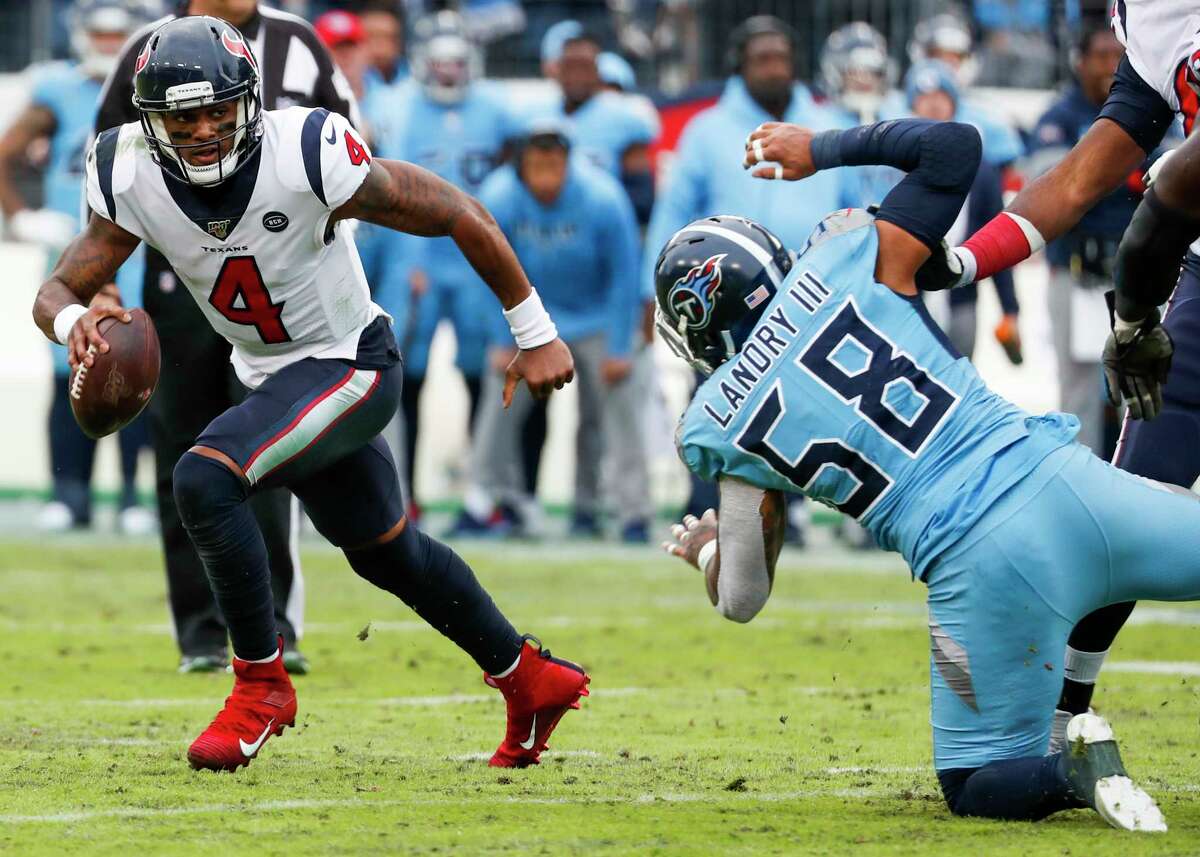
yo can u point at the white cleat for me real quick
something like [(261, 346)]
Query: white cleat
[(1097, 775), (1123, 804)]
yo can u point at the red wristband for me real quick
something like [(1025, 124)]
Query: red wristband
[(998, 245)]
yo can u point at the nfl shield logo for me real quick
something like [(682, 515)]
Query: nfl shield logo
[(218, 228)]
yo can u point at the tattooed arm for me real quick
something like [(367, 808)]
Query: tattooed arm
[(86, 266), (406, 198)]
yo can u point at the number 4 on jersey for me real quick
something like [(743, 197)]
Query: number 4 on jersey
[(240, 278), (358, 154)]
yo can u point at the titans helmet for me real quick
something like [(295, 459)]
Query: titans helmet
[(713, 280), (941, 37), (91, 19), (193, 62), (856, 70), (444, 59)]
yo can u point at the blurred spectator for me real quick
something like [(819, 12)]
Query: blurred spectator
[(574, 231), (932, 93), (62, 107), (858, 77), (1081, 261), (603, 126), (706, 175), (342, 33), (447, 120), (1016, 47), (383, 28), (947, 38)]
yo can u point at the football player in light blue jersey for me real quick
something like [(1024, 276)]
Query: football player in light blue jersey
[(62, 107), (447, 120), (947, 37), (604, 126), (829, 378)]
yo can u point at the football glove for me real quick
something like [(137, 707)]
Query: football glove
[(945, 269), (1136, 362)]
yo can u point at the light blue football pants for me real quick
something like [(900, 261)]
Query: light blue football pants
[(1077, 534)]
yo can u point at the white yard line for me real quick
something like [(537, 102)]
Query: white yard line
[(1177, 668), (73, 816)]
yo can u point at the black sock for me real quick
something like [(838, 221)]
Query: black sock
[(410, 397), (1027, 789), (212, 505), (435, 582), (1094, 634)]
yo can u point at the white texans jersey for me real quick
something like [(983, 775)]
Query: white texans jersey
[(252, 250), (1162, 43)]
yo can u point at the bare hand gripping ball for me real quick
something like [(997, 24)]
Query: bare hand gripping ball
[(109, 394)]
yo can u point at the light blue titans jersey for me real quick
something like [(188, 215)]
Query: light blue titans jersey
[(848, 392), (71, 97), (461, 143), (602, 128)]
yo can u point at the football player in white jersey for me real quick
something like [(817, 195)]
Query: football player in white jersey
[(1158, 79), (251, 208)]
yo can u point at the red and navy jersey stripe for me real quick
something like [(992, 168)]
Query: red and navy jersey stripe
[(1189, 101)]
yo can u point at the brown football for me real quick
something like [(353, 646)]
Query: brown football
[(108, 395)]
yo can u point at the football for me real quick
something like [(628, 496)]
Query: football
[(110, 393)]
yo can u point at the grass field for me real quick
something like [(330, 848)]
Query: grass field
[(803, 732)]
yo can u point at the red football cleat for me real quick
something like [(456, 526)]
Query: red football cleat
[(263, 702), (538, 693)]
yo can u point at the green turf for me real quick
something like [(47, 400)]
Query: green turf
[(803, 732)]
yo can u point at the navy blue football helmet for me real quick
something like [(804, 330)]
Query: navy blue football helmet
[(192, 62), (713, 280)]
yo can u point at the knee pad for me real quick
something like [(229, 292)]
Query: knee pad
[(391, 565), (204, 488)]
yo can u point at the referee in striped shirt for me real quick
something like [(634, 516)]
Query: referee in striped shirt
[(197, 381)]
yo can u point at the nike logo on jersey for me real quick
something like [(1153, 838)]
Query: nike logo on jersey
[(249, 750), (332, 138), (528, 744)]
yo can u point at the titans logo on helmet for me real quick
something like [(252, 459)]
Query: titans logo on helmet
[(691, 297)]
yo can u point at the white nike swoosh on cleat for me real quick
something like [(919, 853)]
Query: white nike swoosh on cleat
[(528, 745), (249, 750)]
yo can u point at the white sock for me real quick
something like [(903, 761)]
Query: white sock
[(1058, 731), (1082, 667), (510, 670), (262, 660)]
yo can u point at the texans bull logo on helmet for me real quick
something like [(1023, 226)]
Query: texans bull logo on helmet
[(142, 58), (238, 48), (692, 295)]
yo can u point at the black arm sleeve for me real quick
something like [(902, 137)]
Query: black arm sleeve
[(940, 158), (116, 98), (1137, 108), (1150, 256)]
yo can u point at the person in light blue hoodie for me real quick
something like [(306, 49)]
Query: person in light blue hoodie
[(705, 176), (573, 229)]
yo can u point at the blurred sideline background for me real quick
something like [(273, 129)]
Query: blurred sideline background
[(677, 49)]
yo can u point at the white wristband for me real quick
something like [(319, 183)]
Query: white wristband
[(707, 552), (65, 320), (530, 324)]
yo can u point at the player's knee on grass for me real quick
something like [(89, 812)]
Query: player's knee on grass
[(204, 488), (952, 783), (1023, 789)]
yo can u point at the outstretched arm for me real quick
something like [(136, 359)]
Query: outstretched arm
[(738, 552), (86, 266), (406, 198), (940, 158)]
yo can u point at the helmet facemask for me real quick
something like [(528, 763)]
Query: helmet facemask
[(242, 140)]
